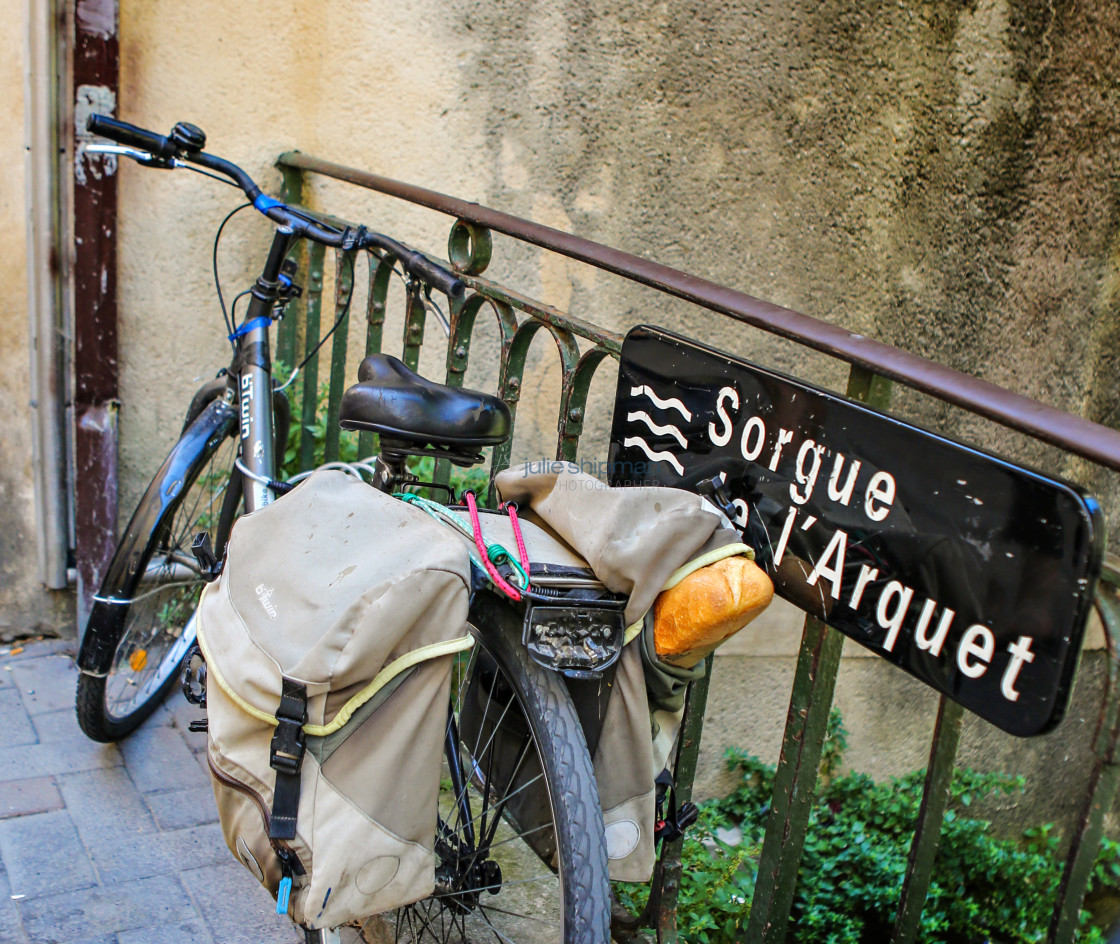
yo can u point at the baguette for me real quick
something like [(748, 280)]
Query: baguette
[(707, 607)]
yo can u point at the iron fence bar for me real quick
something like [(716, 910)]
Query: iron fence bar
[(343, 285), (1104, 778), (309, 381), (688, 753), (787, 824), (573, 401), (380, 272), (927, 834), (291, 192), (1077, 435), (414, 317)]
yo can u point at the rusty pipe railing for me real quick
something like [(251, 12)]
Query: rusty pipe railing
[(1077, 435)]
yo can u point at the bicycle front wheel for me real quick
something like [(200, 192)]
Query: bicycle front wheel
[(519, 846), (141, 622)]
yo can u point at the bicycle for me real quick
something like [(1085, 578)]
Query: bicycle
[(141, 624)]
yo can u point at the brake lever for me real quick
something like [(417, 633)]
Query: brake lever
[(141, 157)]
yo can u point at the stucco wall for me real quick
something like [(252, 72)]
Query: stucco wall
[(940, 176), (25, 607)]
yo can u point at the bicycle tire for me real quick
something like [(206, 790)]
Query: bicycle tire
[(139, 626), (571, 891)]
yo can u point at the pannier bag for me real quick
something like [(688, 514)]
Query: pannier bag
[(329, 640), (638, 542)]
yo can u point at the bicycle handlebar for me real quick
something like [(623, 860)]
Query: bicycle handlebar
[(122, 132), (169, 150)]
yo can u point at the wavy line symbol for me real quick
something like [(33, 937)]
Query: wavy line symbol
[(672, 403), (668, 430), (653, 454)]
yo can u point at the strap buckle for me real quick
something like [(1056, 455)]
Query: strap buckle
[(289, 741), (288, 745)]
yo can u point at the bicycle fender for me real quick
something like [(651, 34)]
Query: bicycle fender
[(194, 448)]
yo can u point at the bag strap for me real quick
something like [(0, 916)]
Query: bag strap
[(286, 758)]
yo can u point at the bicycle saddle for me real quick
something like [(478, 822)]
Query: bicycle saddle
[(415, 416)]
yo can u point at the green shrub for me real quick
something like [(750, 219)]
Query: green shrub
[(983, 889)]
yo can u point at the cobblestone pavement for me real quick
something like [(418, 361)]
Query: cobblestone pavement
[(112, 843)]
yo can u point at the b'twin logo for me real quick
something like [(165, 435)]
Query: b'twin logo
[(264, 595)]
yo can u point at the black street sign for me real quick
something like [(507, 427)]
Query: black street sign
[(973, 574)]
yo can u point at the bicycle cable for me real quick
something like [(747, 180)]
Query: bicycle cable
[(205, 173), (217, 279), (233, 306), (323, 340), (426, 302)]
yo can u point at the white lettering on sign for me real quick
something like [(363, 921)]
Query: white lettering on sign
[(975, 651), (836, 492), (879, 489), (932, 643), (755, 431), (831, 564), (1020, 652), (784, 436), (891, 621), (723, 437), (806, 477), (802, 462)]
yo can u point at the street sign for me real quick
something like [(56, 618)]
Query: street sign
[(973, 574)]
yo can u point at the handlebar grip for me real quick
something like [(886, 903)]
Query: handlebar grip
[(131, 136), (436, 276)]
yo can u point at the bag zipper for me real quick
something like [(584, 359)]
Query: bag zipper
[(289, 862)]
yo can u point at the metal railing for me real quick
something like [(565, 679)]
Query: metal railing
[(874, 366)]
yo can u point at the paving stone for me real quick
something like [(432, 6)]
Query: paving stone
[(105, 800), (100, 939), (14, 719), (197, 847), (24, 797), (161, 717), (47, 683), (106, 909), (56, 726), (158, 760), (43, 854), (61, 757), (124, 855), (237, 908), (184, 931), (179, 809), (11, 927)]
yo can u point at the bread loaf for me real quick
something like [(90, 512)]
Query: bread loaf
[(707, 607)]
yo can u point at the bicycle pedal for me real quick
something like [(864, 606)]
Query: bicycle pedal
[(203, 551), (200, 724)]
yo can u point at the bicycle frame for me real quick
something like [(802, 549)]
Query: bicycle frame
[(253, 369)]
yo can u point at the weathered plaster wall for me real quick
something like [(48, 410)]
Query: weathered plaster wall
[(943, 176), (25, 607)]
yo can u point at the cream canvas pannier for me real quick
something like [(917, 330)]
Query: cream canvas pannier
[(329, 640)]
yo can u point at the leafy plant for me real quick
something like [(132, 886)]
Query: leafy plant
[(983, 889)]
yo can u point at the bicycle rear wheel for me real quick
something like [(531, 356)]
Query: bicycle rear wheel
[(141, 623), (520, 849)]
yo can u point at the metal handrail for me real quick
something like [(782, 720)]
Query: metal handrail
[(1092, 441)]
